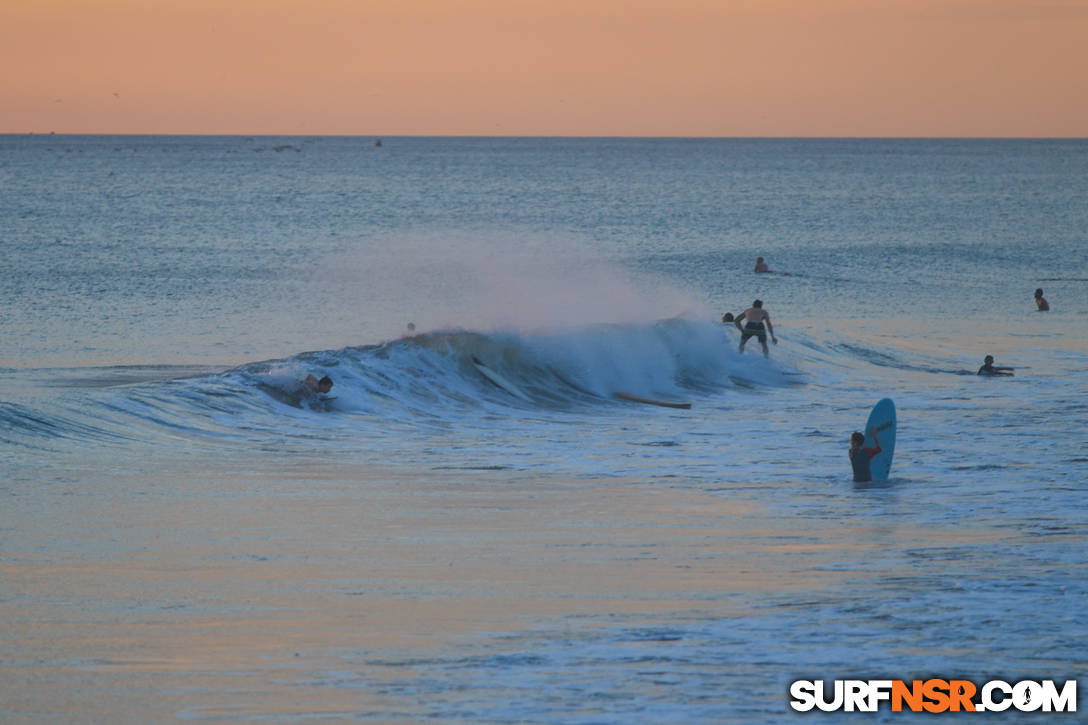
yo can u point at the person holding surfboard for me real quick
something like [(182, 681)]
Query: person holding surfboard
[(861, 457), (757, 324)]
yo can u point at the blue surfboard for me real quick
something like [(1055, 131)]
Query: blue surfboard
[(883, 419)]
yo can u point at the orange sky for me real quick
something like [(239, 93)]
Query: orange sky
[(546, 67)]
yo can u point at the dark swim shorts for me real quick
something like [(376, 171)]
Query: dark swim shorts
[(754, 329)]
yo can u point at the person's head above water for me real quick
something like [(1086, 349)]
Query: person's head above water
[(857, 439), (988, 359), (1039, 292), (324, 385), (757, 304)]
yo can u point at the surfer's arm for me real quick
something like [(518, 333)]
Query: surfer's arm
[(736, 321), (874, 451), (770, 328)]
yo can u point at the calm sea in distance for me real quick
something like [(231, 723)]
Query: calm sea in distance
[(187, 534)]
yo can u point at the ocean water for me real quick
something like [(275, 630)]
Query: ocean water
[(185, 535)]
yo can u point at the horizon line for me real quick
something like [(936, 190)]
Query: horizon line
[(544, 136)]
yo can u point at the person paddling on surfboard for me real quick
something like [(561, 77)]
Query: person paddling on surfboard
[(322, 386), (755, 319), (860, 457), (989, 369)]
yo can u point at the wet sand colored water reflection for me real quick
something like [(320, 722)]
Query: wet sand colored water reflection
[(253, 597)]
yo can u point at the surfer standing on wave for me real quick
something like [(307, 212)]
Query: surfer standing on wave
[(757, 324), (860, 458)]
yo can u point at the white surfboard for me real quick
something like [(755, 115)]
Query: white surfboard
[(499, 380), (882, 418)]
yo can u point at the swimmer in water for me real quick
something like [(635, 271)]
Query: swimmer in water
[(1040, 301)]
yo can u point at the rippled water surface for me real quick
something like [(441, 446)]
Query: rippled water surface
[(187, 533)]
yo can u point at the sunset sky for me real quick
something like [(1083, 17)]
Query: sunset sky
[(546, 67)]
